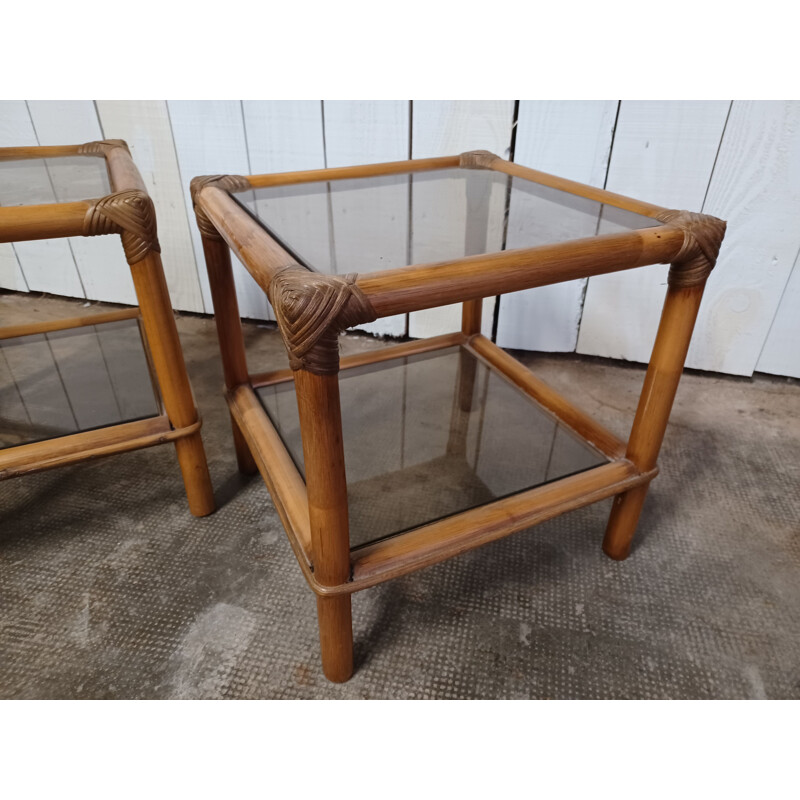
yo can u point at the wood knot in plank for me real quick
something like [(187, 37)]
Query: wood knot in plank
[(703, 235), (129, 213), (311, 310), (477, 159), (230, 183)]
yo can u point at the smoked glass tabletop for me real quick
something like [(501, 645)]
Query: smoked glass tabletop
[(384, 222), (52, 384), (37, 181), (430, 435)]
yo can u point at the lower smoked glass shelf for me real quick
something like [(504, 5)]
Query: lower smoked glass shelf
[(62, 382), (431, 435)]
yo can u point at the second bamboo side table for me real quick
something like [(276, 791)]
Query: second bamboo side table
[(91, 386)]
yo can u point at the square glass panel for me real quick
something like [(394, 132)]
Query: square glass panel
[(62, 382), (37, 181), (430, 435), (389, 221)]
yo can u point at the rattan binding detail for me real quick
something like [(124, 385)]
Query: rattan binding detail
[(230, 183), (477, 159), (129, 213), (101, 147), (703, 237), (311, 310)]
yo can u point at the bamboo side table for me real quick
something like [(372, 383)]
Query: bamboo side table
[(86, 387), (449, 443)]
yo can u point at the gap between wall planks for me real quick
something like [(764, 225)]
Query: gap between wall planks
[(747, 319), (573, 140)]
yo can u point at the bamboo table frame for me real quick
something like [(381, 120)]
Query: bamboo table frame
[(312, 309), (128, 212)]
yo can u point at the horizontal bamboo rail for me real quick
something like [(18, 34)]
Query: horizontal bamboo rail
[(122, 171), (580, 189), (62, 450), (430, 544), (452, 162), (48, 326), (285, 483), (421, 286), (573, 417), (252, 245), (46, 221), (359, 171), (376, 356), (35, 151), (413, 288)]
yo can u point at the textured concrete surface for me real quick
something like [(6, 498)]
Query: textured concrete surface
[(110, 589)]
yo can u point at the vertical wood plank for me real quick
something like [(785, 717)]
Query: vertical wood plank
[(65, 121), (781, 353), (11, 276), (369, 235), (756, 188), (46, 265), (663, 152), (283, 136), (441, 128), (571, 139), (101, 264), (145, 126), (210, 140)]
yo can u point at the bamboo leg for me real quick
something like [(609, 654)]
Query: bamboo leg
[(477, 218), (467, 373), (471, 312), (165, 350), (650, 424), (462, 404), (229, 332), (323, 452)]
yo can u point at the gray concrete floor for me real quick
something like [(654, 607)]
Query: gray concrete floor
[(110, 589)]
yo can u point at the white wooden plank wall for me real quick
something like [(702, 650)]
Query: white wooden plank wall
[(145, 126), (100, 262), (571, 139), (781, 353), (11, 275), (210, 140), (48, 264), (756, 188), (284, 136), (443, 128), (663, 152), (369, 233), (739, 160)]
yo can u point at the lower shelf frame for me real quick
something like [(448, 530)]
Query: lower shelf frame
[(404, 553), (25, 459)]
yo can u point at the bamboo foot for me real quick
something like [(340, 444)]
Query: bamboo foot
[(336, 637), (623, 521), (196, 480)]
